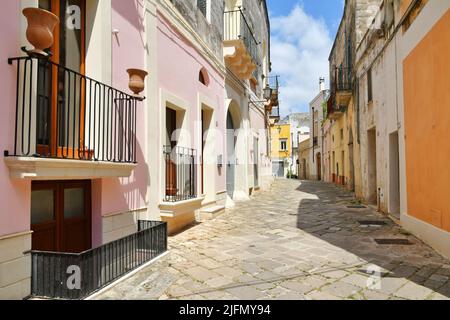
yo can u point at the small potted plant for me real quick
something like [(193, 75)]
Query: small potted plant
[(41, 24), (137, 81)]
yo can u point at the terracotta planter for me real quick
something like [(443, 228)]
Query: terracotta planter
[(137, 80), (41, 24)]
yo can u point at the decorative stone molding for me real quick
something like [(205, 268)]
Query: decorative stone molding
[(238, 59)]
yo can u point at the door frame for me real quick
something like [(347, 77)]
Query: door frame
[(54, 149)]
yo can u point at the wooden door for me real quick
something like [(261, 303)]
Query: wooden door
[(319, 167), (61, 216), (171, 167), (61, 95)]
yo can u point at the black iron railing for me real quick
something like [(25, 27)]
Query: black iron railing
[(180, 173), (342, 80), (76, 276), (274, 84), (275, 112), (237, 28), (63, 114)]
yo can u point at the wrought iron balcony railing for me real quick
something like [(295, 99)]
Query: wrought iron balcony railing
[(274, 84), (275, 114), (237, 28), (180, 173), (342, 80), (63, 114)]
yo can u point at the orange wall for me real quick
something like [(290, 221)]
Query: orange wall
[(427, 125)]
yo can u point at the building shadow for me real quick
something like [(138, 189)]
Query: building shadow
[(332, 214)]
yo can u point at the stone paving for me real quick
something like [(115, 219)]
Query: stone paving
[(297, 241)]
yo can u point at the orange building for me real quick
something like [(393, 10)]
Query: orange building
[(426, 80), (403, 72)]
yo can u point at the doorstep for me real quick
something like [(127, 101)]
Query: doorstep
[(179, 215), (211, 213)]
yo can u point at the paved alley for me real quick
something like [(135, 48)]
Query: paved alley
[(300, 240)]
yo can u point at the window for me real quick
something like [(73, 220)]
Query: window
[(201, 5), (283, 144), (342, 134), (369, 86)]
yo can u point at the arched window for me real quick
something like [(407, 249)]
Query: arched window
[(203, 77)]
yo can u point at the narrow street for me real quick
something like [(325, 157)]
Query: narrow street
[(297, 241)]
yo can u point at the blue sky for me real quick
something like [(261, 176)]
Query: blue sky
[(302, 35)]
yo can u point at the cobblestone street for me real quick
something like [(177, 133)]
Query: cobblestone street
[(296, 241)]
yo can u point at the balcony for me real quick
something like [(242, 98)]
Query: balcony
[(343, 86), (274, 84), (275, 114), (335, 111), (240, 45), (69, 126)]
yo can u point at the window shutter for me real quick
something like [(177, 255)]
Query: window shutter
[(201, 4)]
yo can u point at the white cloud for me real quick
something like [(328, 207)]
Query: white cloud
[(301, 45)]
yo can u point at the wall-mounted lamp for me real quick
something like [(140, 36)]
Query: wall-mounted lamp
[(267, 92)]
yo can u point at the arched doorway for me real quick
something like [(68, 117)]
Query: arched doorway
[(231, 155)]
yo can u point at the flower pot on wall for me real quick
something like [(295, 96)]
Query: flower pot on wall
[(41, 24), (137, 81)]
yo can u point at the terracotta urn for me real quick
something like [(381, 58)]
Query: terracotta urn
[(41, 24), (137, 80)]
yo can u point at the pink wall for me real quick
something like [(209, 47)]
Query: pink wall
[(179, 65), (128, 51), (14, 195)]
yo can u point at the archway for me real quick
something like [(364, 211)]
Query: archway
[(234, 143)]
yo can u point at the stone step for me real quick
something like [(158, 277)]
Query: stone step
[(210, 213)]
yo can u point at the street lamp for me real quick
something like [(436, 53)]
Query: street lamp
[(267, 92)]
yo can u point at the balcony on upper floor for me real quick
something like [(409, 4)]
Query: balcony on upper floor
[(240, 45), (69, 126), (343, 86), (274, 115), (274, 84)]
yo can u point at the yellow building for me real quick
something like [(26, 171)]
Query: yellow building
[(281, 148)]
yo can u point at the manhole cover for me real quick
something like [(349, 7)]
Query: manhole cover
[(400, 242), (357, 207), (372, 223)]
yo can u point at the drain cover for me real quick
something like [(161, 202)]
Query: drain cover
[(357, 207), (372, 223), (400, 242)]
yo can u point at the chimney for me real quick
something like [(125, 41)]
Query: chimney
[(322, 84)]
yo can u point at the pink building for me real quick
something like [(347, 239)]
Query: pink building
[(74, 171), (93, 174)]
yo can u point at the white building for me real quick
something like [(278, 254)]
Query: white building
[(316, 113)]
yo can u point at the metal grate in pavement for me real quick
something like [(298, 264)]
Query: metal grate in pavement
[(372, 223), (400, 242)]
